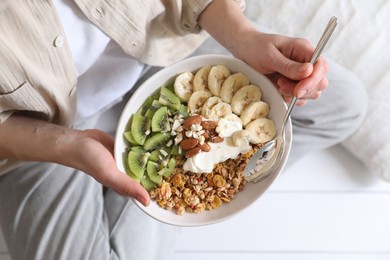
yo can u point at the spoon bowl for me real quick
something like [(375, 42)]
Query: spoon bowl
[(264, 162)]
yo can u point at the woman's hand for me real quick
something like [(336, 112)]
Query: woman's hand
[(93, 153), (90, 151), (285, 61)]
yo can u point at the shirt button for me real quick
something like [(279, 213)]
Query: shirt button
[(72, 91), (59, 41)]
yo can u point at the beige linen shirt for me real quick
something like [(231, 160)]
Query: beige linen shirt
[(37, 74)]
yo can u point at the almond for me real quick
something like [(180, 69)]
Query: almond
[(205, 147), (216, 139), (195, 119), (209, 125), (189, 143), (192, 152)]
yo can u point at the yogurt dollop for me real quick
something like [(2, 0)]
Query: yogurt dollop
[(204, 162)]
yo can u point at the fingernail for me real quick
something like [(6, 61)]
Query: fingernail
[(281, 82), (142, 200), (301, 93), (302, 68), (284, 92)]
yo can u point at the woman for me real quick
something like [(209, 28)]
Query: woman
[(54, 51)]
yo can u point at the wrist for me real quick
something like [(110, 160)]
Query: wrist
[(226, 23), (34, 140), (241, 40)]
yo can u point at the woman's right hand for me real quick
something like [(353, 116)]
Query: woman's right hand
[(90, 151)]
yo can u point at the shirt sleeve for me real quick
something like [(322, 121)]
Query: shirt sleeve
[(156, 33)]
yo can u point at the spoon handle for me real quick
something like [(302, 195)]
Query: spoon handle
[(317, 52), (324, 39)]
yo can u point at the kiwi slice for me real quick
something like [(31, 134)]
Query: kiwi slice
[(171, 87), (168, 98), (159, 154), (148, 103), (137, 162), (129, 137), (137, 148), (160, 120), (140, 126), (157, 140), (170, 167), (152, 109), (128, 171), (176, 150), (152, 169), (183, 110), (133, 176), (147, 182)]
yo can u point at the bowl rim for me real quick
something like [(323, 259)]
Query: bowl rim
[(123, 122)]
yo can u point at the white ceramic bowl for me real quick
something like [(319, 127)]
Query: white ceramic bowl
[(251, 192)]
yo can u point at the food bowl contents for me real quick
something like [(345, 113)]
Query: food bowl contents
[(190, 141)]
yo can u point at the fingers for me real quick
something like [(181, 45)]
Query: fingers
[(290, 57), (317, 81), (126, 186), (103, 138), (291, 69), (96, 159), (308, 88)]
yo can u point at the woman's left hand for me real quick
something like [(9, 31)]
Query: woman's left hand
[(285, 61)]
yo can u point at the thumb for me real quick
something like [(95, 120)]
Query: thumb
[(126, 186), (292, 69)]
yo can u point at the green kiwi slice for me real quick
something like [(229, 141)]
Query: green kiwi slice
[(152, 170), (137, 148), (129, 137), (160, 120), (152, 109), (133, 176), (128, 171), (157, 140), (147, 182), (160, 154), (168, 98), (140, 126), (176, 150), (170, 167), (183, 110), (137, 162), (148, 103)]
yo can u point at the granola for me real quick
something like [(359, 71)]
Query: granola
[(195, 192)]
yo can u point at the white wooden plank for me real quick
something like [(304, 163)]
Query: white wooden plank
[(333, 169), (290, 222), (278, 256)]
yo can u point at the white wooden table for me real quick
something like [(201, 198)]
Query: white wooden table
[(324, 207)]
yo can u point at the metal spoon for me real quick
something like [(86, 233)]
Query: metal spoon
[(267, 158)]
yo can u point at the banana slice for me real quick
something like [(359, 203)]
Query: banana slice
[(233, 117), (261, 130), (241, 138), (208, 105), (217, 76), (183, 85), (245, 96), (201, 78), (196, 101), (231, 85), (253, 111), (218, 111)]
